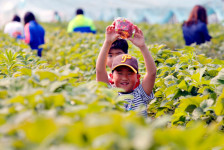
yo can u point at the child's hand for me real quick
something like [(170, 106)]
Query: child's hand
[(138, 39), (111, 35)]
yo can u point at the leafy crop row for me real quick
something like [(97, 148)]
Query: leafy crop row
[(55, 103)]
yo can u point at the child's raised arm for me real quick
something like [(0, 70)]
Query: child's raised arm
[(101, 73), (150, 76)]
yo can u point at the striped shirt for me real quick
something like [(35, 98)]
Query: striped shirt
[(139, 102)]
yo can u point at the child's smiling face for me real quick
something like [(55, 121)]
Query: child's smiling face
[(112, 54), (125, 78)]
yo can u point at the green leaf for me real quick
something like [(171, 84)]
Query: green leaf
[(26, 71), (158, 94), (54, 100), (17, 99), (3, 94), (171, 90), (47, 75), (171, 61), (203, 60), (55, 85), (38, 130), (182, 85), (219, 106), (219, 79), (196, 77), (190, 108)]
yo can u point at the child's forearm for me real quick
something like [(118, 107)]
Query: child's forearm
[(149, 61), (101, 73), (150, 76)]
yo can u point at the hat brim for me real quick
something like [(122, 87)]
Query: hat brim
[(135, 71)]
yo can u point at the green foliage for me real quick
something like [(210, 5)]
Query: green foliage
[(54, 102)]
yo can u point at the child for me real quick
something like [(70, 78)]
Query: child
[(125, 70), (120, 46)]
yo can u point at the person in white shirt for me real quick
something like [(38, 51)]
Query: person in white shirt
[(15, 28)]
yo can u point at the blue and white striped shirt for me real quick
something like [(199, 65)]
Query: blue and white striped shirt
[(140, 100)]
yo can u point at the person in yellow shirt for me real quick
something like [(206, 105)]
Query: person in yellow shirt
[(80, 23)]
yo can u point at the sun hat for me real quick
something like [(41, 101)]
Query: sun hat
[(125, 60)]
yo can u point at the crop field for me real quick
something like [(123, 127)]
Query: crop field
[(54, 102)]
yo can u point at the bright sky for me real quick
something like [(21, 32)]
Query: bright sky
[(155, 10)]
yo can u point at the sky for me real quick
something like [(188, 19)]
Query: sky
[(153, 11)]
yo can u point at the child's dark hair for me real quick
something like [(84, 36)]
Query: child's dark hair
[(79, 11), (16, 18), (120, 44), (29, 16)]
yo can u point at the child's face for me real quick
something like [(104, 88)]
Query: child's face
[(125, 78), (113, 53)]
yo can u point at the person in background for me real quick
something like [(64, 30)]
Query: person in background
[(195, 28), (80, 23), (56, 17), (15, 28), (34, 33)]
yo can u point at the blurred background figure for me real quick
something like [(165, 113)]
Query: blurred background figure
[(56, 17), (195, 28), (34, 33), (15, 28), (80, 23)]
